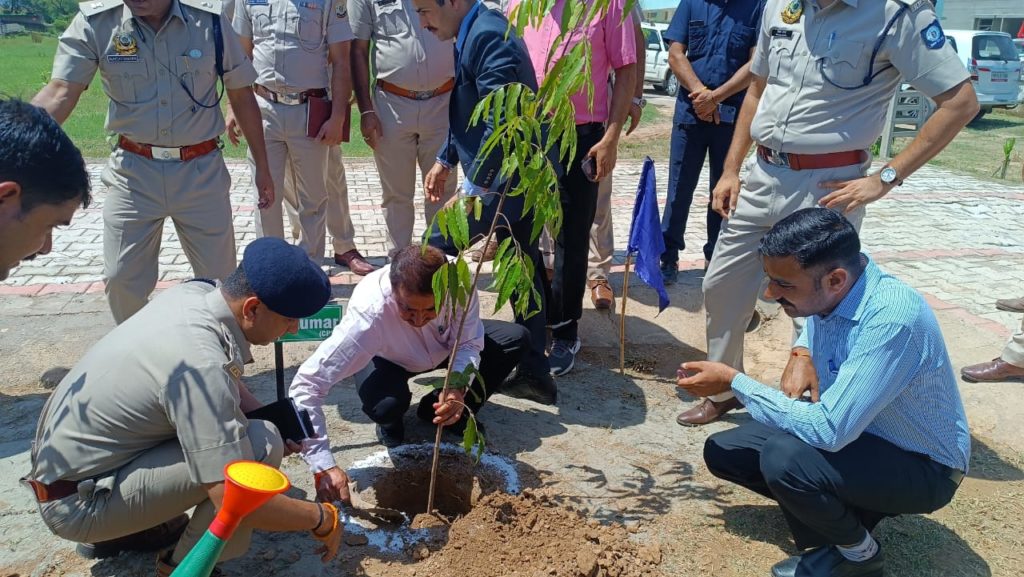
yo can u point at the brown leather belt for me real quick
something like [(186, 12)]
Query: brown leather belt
[(795, 161), (288, 98), (52, 492), (416, 94), (182, 153)]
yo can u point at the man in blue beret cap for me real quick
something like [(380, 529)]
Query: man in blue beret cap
[(139, 431)]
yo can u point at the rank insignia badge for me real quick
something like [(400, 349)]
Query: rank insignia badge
[(341, 10), (792, 12), (125, 45)]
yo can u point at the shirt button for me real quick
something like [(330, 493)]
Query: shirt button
[(164, 132), (163, 103)]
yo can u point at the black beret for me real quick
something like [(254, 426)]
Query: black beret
[(284, 278)]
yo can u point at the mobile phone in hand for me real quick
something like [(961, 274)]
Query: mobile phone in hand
[(589, 167), (727, 113)]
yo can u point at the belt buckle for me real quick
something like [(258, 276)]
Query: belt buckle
[(290, 98), (161, 153), (778, 158), (422, 94)]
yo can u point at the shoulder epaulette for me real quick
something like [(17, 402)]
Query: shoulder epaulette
[(211, 6), (92, 7)]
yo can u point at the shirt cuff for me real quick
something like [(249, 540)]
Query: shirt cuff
[(319, 460), (743, 387), (444, 163), (471, 189)]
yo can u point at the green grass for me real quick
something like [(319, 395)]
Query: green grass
[(25, 67), (978, 149)]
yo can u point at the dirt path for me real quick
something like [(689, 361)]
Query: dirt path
[(611, 449)]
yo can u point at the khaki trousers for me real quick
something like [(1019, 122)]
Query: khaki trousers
[(150, 490), (413, 132), (284, 130), (339, 219), (1013, 353), (141, 193), (734, 278), (602, 235)]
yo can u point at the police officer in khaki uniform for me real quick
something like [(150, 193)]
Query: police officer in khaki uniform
[(159, 63), (292, 44), (139, 431), (824, 73), (406, 121)]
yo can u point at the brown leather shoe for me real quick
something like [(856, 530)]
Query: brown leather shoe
[(160, 537), (994, 371), (601, 294), (707, 411), (487, 254), (1011, 305), (355, 262)]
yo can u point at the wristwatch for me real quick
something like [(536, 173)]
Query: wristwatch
[(640, 102), (888, 176)]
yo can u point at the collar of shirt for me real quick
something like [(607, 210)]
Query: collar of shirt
[(222, 312), (175, 11), (853, 303), (460, 40), (816, 4)]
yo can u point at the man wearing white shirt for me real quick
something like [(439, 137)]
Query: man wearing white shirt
[(389, 333)]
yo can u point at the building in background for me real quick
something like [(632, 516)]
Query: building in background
[(998, 15)]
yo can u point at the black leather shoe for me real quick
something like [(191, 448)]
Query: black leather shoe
[(392, 436), (532, 387), (160, 537), (828, 562)]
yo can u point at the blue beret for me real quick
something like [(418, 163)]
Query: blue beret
[(284, 278)]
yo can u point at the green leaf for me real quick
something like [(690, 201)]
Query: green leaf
[(469, 436), (442, 223), (439, 284), (478, 210), (464, 277)]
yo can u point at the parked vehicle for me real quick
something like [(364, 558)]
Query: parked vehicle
[(991, 59), (656, 69), (1019, 44)]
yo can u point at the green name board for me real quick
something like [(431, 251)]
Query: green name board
[(317, 327)]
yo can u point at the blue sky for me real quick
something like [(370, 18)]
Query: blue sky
[(658, 4)]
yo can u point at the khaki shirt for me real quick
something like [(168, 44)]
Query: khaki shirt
[(168, 373), (404, 54), (149, 74), (290, 39), (801, 112)]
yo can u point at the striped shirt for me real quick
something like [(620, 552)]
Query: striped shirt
[(882, 369)]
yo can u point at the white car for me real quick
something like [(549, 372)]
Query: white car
[(991, 59), (656, 68)]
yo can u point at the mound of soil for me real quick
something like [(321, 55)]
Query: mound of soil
[(531, 535)]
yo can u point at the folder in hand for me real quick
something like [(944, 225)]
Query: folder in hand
[(318, 110), (292, 423)]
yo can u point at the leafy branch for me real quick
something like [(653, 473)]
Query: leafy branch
[(536, 134)]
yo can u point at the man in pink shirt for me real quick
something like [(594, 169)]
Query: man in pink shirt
[(388, 334), (613, 48)]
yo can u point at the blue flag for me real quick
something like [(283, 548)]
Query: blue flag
[(645, 234)]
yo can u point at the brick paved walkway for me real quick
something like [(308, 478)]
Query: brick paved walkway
[(958, 239)]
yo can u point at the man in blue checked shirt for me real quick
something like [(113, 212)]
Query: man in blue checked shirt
[(869, 422)]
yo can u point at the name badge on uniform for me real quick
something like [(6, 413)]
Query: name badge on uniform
[(257, 2), (933, 36), (777, 32), (309, 5), (383, 3), (115, 58)]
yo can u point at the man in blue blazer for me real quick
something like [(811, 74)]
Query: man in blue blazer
[(487, 57)]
